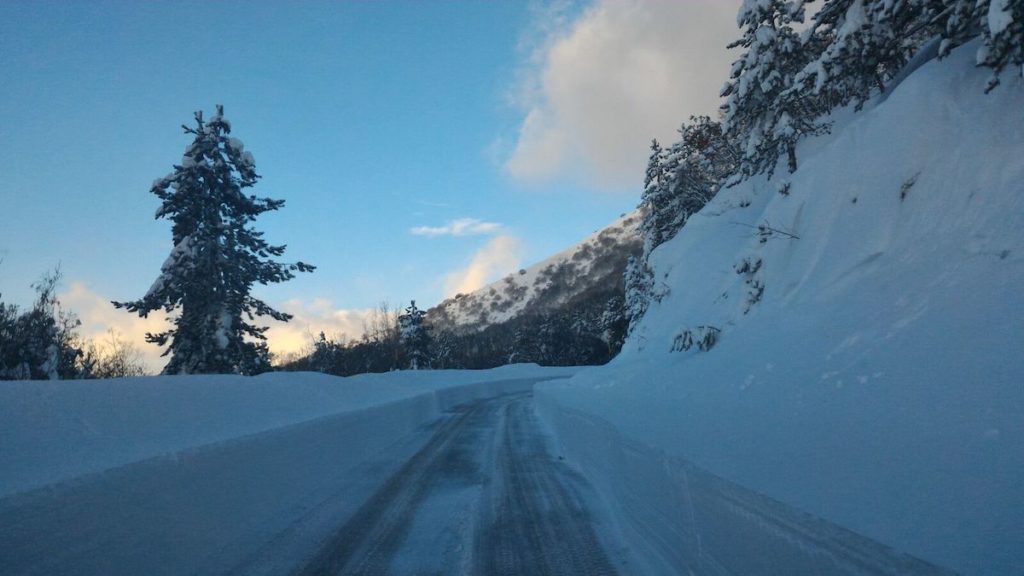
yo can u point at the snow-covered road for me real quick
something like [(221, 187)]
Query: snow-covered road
[(448, 473), (478, 491), (484, 496)]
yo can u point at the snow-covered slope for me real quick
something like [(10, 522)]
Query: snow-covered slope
[(869, 372), (597, 260)]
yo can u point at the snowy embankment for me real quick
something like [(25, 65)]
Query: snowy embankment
[(876, 382), (55, 431)]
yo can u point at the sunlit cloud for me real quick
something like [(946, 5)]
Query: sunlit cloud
[(500, 256), (98, 317), (309, 319), (459, 227), (604, 84)]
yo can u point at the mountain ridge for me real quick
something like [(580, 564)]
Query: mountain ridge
[(596, 261)]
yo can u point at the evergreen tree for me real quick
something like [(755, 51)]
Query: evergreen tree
[(216, 259), (328, 355), (40, 343), (655, 166), (697, 165), (686, 177), (446, 350), (415, 335), (523, 346), (860, 45), (614, 325), (639, 290), (1003, 37), (762, 112), (655, 200), (999, 23)]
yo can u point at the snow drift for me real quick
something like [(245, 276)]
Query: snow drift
[(868, 370)]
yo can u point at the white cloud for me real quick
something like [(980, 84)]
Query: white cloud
[(459, 227), (98, 316), (501, 255), (625, 71)]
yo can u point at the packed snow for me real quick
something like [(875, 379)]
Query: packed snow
[(868, 369)]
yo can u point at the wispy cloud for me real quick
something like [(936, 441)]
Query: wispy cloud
[(498, 257), (622, 72), (459, 227)]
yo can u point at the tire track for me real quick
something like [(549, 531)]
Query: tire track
[(365, 544), (539, 525), (531, 519)]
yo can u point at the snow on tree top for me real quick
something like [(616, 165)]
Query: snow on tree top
[(1000, 16)]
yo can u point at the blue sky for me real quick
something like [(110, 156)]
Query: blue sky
[(380, 124)]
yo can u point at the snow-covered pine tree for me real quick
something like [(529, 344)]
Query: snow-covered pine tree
[(687, 176), (697, 165), (860, 45), (216, 259), (655, 165), (327, 356), (655, 200), (446, 350), (613, 324), (415, 335), (1002, 23), (639, 282), (678, 183), (762, 113)]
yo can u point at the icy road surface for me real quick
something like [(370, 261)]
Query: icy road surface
[(478, 491), (484, 496)]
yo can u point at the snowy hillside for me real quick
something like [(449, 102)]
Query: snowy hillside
[(597, 261), (868, 367)]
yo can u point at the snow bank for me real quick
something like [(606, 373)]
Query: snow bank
[(54, 431), (878, 380)]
